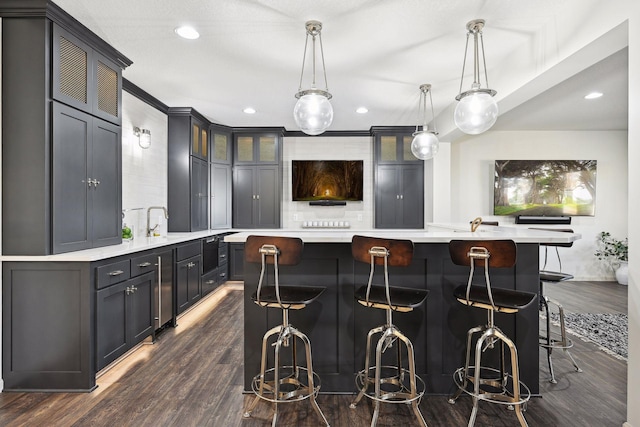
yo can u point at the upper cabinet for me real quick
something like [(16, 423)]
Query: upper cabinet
[(85, 79), (199, 139), (394, 148), (61, 136), (260, 148)]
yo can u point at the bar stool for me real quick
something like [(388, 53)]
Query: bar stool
[(484, 382), (391, 384), (552, 338), (290, 383)]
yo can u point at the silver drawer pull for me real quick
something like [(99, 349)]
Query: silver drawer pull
[(210, 282), (116, 273), (144, 264), (223, 256), (213, 239)]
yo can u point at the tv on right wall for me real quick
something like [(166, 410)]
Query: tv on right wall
[(545, 187)]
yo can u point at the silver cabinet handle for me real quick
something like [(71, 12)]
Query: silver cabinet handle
[(213, 239), (144, 264), (223, 256), (258, 196), (401, 196), (116, 273), (131, 289), (191, 265), (210, 282)]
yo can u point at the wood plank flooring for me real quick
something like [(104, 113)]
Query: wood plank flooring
[(192, 376)]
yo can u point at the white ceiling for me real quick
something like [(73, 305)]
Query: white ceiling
[(377, 53)]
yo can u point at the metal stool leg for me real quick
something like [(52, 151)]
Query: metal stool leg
[(412, 372), (367, 380), (456, 395), (515, 372), (563, 334), (312, 393), (263, 368)]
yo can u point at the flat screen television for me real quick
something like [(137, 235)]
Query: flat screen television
[(545, 187), (328, 180)]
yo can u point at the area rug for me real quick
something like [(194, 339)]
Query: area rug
[(608, 331)]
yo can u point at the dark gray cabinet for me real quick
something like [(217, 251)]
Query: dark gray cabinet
[(188, 171), (399, 196), (398, 181), (163, 291), (199, 193), (86, 181), (62, 67), (256, 197), (124, 317), (257, 176), (188, 275), (85, 79), (220, 177)]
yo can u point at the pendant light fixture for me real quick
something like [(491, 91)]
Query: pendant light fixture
[(313, 112), (425, 144), (477, 110)]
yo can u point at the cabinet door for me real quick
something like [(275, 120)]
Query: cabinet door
[(187, 283), (111, 324), (257, 149), (267, 186), (72, 70), (243, 197), (412, 196), (72, 131), (220, 196), (163, 293), (199, 140), (107, 87), (220, 147), (106, 192), (199, 194), (387, 197), (140, 308)]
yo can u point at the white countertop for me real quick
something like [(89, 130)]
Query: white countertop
[(433, 233), (138, 244)]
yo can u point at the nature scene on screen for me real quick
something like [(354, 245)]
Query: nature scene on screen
[(545, 187), (326, 180)]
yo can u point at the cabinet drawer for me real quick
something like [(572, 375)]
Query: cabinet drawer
[(188, 250), (143, 264), (111, 274), (223, 253)]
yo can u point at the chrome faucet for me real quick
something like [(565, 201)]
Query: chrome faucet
[(149, 229)]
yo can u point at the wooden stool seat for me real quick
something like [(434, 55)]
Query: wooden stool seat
[(402, 299), (504, 300), (291, 297)]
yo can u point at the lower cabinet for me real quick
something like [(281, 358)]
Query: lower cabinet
[(124, 317), (188, 273)]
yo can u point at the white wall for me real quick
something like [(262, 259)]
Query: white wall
[(144, 171), (472, 184), (359, 214)]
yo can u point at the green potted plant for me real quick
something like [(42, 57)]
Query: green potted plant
[(615, 253)]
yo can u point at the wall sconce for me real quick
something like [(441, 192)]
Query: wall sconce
[(144, 137)]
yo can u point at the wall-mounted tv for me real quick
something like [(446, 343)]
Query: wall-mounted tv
[(337, 180), (545, 187)]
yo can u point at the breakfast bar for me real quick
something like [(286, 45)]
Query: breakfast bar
[(337, 325)]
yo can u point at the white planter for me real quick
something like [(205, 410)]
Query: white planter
[(622, 273)]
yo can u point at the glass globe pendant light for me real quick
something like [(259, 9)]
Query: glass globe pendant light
[(313, 112), (476, 110), (425, 144)]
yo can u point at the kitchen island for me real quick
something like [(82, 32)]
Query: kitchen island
[(337, 326)]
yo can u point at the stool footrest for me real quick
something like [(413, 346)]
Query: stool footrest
[(395, 387), (293, 385), (499, 392), (559, 344)]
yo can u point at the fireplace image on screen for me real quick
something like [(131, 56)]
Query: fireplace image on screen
[(337, 180), (545, 187)]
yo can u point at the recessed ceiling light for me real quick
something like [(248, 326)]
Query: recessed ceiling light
[(593, 95), (249, 110), (362, 110), (187, 32)]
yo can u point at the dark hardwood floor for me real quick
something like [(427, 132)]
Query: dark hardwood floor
[(192, 376)]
